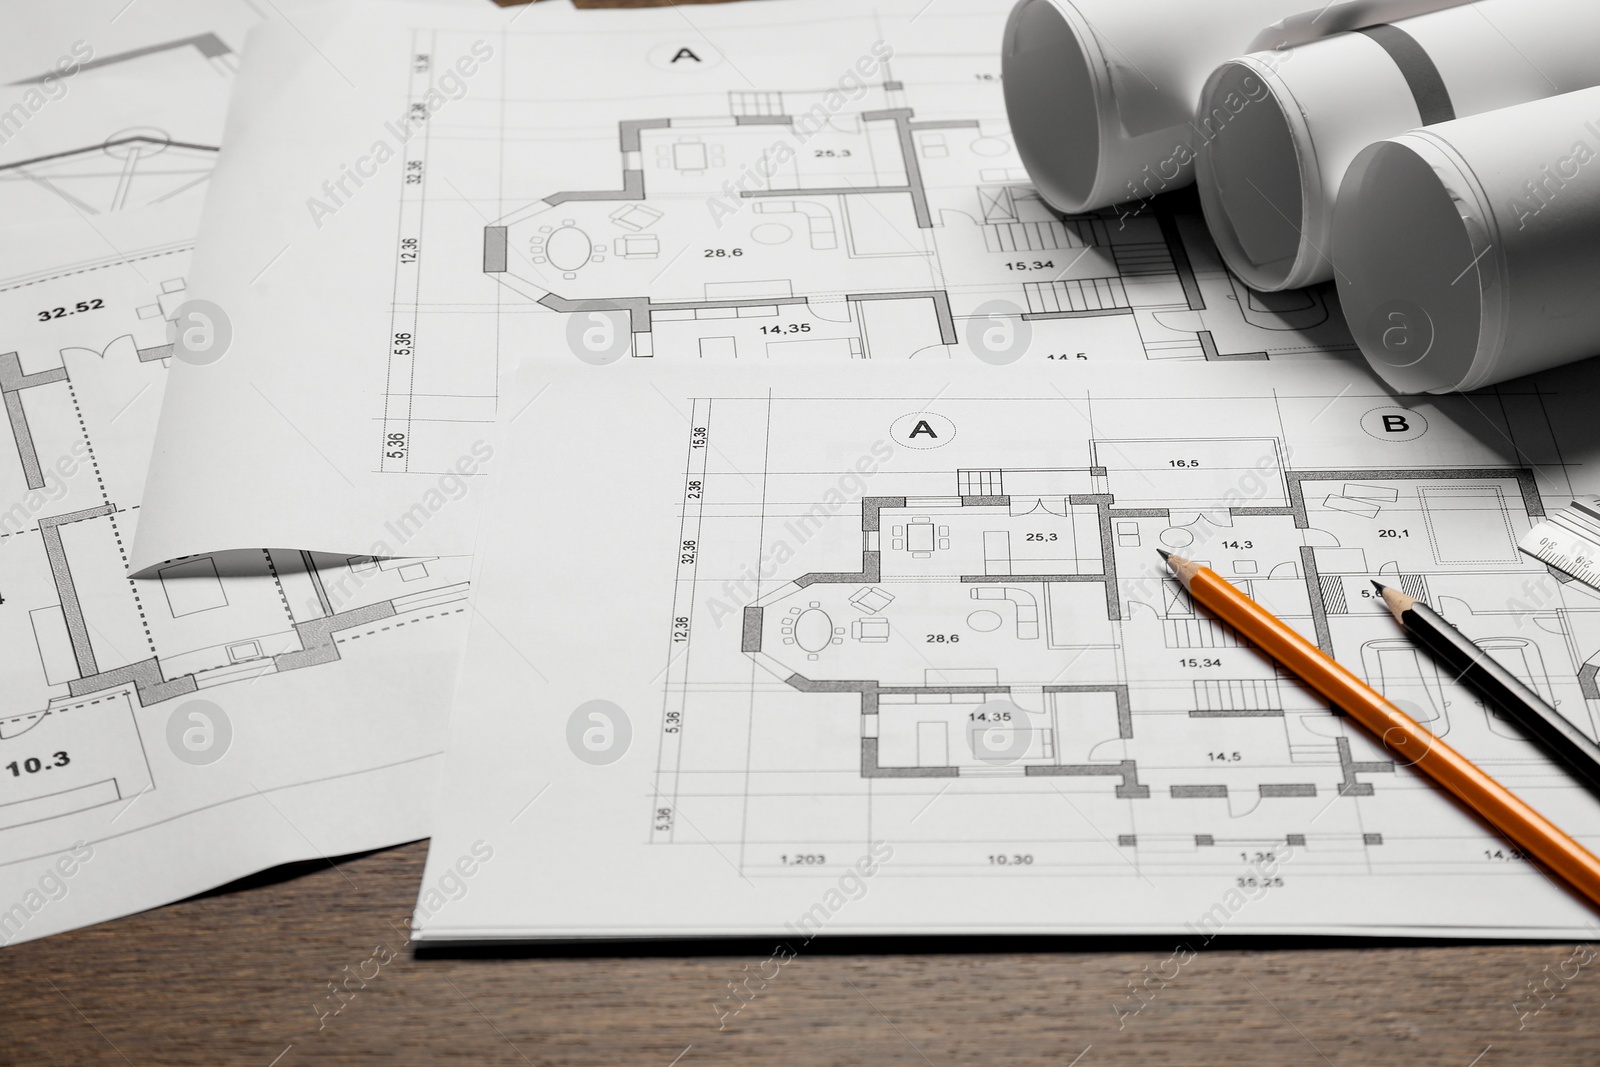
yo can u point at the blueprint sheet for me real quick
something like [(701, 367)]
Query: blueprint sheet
[(227, 712), (790, 182), (107, 105), (890, 649)]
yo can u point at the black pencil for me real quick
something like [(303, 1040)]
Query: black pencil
[(1472, 665)]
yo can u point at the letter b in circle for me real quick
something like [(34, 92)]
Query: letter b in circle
[(1394, 424)]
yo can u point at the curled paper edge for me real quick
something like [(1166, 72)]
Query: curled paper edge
[(1340, 18)]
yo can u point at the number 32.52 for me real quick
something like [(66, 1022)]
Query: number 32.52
[(60, 313)]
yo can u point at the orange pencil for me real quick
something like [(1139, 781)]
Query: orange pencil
[(1403, 735)]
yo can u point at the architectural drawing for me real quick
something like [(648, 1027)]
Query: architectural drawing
[(1039, 571), (813, 611), (999, 629), (878, 235), (85, 646), (222, 712), (842, 581), (736, 200), (91, 161)]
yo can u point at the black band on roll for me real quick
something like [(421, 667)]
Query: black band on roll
[(1416, 66)]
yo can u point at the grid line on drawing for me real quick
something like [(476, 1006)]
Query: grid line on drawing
[(992, 647), (766, 459)]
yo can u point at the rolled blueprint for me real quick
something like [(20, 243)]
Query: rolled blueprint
[(1101, 93), (1283, 126), (1329, 19), (1468, 252)]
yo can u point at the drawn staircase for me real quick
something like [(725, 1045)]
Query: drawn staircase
[(1076, 295)]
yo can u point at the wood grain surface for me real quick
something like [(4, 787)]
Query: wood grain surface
[(242, 977), (245, 976)]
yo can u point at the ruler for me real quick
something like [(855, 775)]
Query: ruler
[(1569, 540)]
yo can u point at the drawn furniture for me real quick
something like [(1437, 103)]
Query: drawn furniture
[(639, 246), (1026, 603), (872, 631), (871, 599), (813, 630), (996, 552), (819, 220), (635, 216), (920, 539)]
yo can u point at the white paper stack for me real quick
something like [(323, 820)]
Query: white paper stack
[(167, 730), (818, 590)]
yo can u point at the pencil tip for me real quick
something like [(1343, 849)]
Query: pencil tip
[(1163, 553), (1380, 587)]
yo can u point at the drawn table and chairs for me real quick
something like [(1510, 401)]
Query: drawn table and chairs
[(811, 629), (919, 536)]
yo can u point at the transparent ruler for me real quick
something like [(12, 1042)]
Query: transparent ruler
[(1569, 540)]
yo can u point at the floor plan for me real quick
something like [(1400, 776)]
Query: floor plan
[(1011, 587), (835, 186), (122, 130), (804, 223), (1003, 623), (88, 648), (918, 616)]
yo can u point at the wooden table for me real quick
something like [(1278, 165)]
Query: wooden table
[(241, 977), (244, 976)]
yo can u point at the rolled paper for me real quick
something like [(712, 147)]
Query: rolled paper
[(1330, 19), (1101, 93), (1468, 252), (1282, 127)]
